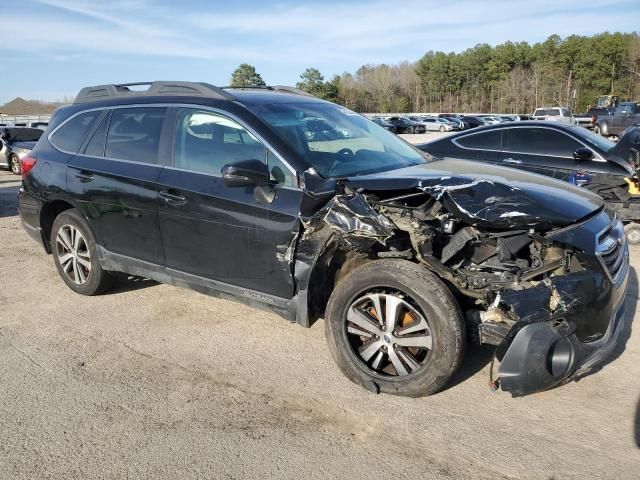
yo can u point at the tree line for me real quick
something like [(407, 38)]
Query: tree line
[(506, 78)]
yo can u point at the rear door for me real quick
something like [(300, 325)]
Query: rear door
[(226, 234), (541, 150), (113, 180)]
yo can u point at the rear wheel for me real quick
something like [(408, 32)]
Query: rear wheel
[(394, 327), (14, 164), (76, 256)]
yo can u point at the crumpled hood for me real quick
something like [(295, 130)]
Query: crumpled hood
[(488, 195)]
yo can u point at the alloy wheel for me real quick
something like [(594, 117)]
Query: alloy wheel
[(15, 164), (73, 254), (388, 334)]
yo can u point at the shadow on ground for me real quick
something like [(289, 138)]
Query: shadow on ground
[(636, 425), (129, 283), (8, 203), (475, 359)]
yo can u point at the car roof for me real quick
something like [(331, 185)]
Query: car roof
[(522, 123), (252, 96)]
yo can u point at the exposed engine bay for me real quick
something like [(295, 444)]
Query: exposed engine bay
[(502, 256)]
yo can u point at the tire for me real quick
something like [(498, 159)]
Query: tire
[(600, 130), (14, 164), (632, 232), (442, 129), (426, 300), (81, 271)]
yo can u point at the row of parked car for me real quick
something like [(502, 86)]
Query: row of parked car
[(442, 122)]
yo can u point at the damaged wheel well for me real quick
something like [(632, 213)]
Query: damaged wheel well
[(330, 268)]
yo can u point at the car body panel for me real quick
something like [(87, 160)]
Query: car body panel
[(555, 165)]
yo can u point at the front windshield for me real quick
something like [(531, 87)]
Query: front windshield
[(336, 141), (594, 139)]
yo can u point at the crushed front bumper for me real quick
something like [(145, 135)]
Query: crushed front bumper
[(548, 353)]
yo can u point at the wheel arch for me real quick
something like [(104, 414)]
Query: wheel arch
[(322, 260), (48, 214)]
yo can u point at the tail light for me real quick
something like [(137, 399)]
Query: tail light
[(593, 119), (26, 164)]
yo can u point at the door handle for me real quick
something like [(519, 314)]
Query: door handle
[(84, 175), (512, 161), (173, 197)]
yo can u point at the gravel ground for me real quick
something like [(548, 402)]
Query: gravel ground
[(424, 137), (153, 381)]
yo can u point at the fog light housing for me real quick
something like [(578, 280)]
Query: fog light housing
[(560, 358)]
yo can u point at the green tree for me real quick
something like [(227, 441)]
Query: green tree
[(312, 81), (246, 76)]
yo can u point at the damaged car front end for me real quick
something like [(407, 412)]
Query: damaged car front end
[(539, 269)]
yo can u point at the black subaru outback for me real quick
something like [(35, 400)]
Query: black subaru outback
[(406, 256)]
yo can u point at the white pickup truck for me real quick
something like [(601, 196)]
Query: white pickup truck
[(554, 114)]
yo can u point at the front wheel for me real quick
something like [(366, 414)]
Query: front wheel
[(394, 327), (442, 129), (14, 164), (76, 256)]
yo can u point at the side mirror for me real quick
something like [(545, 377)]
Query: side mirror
[(581, 154), (245, 173)]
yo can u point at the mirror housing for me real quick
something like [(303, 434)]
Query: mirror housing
[(581, 154), (244, 173)]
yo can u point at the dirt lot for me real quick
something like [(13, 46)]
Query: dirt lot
[(152, 381)]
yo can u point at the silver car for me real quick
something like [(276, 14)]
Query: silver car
[(433, 124), (554, 114)]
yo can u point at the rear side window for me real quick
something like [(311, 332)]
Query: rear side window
[(72, 134), (95, 147), (485, 141), (539, 141), (134, 134)]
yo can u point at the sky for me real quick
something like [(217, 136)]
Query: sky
[(52, 48)]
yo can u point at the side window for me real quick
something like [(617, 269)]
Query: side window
[(134, 134), (278, 171), (538, 141), (485, 141), (207, 141), (96, 145), (72, 134)]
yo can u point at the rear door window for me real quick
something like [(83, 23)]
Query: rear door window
[(134, 134), (72, 134), (484, 141), (539, 141)]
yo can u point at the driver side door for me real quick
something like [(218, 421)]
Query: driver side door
[(220, 233)]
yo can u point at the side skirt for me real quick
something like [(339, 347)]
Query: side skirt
[(116, 262)]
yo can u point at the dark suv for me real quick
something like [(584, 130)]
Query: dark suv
[(406, 257)]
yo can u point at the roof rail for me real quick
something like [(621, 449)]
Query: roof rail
[(275, 88), (160, 88)]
